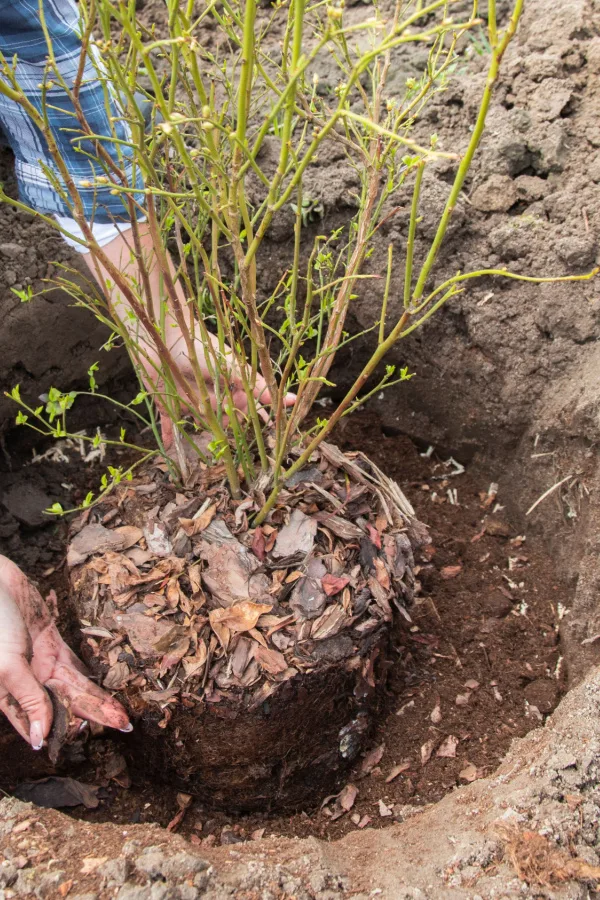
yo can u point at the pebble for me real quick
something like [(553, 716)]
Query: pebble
[(12, 251), (116, 871), (132, 892)]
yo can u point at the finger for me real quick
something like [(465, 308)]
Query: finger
[(20, 682), (16, 717), (87, 700)]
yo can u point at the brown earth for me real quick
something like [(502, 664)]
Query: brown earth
[(508, 383)]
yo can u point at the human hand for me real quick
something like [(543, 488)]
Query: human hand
[(33, 656), (180, 356)]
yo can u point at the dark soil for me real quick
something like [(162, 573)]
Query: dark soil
[(487, 612)]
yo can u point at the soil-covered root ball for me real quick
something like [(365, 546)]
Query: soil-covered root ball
[(251, 659)]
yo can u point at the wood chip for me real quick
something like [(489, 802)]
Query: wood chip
[(96, 539), (385, 811), (426, 751), (297, 537), (448, 748), (333, 584), (347, 797), (372, 759), (397, 770)]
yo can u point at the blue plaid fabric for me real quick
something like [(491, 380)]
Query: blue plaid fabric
[(21, 36)]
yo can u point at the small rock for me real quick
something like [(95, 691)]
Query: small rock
[(116, 871), (12, 251), (151, 862), (497, 194), (8, 874), (188, 892), (27, 502), (201, 880), (184, 865), (132, 892), (530, 187), (130, 848), (577, 252), (162, 891)]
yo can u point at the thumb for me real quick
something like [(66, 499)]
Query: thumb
[(19, 681)]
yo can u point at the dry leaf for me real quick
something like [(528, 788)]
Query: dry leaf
[(149, 637), (448, 748), (174, 655), (193, 664), (426, 751), (240, 617), (297, 537), (231, 571), (333, 584), (381, 573), (347, 797), (197, 524), (161, 696), (470, 773), (384, 810), (448, 572), (344, 801), (374, 535), (272, 661), (397, 770), (116, 677), (372, 759)]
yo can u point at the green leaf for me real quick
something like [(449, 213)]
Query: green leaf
[(93, 383)]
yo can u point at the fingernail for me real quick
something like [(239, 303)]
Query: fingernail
[(36, 735), (128, 729)]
